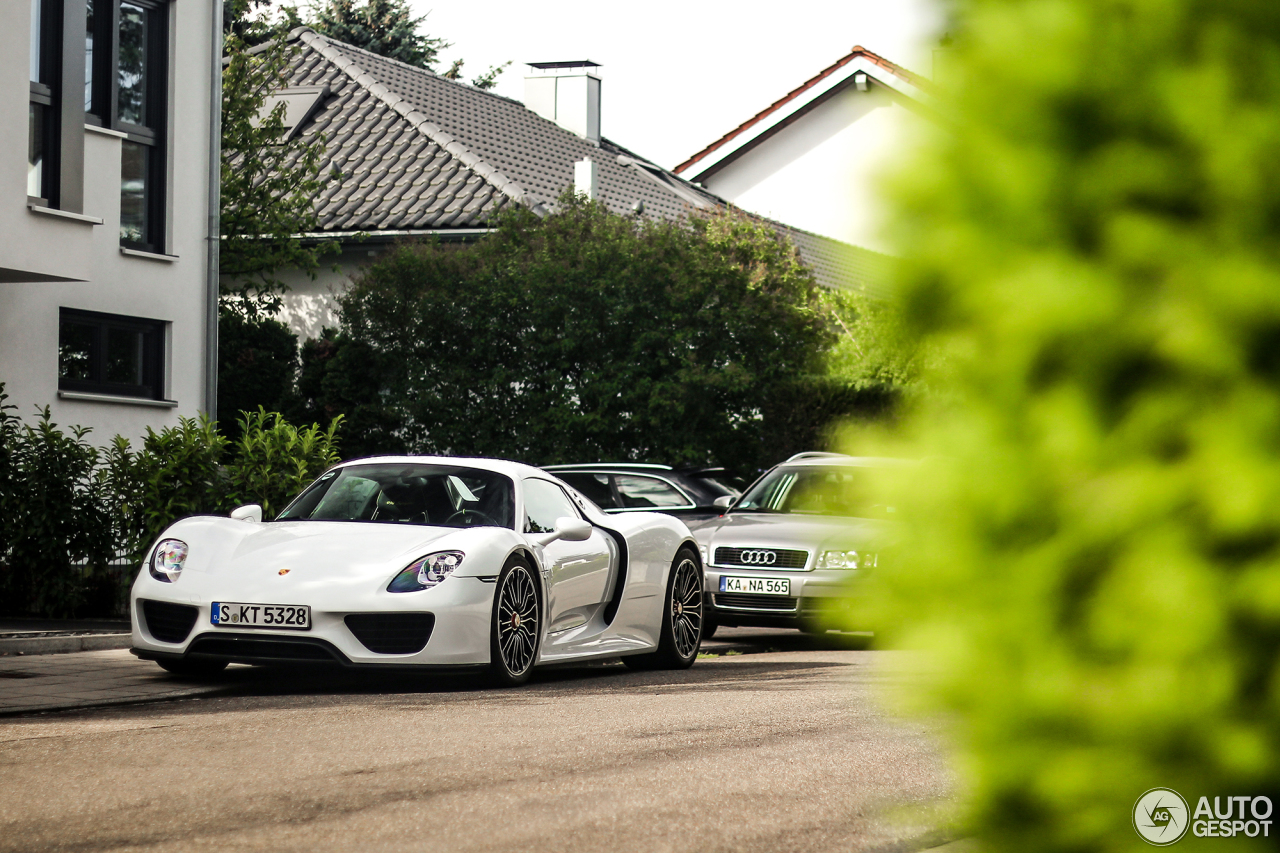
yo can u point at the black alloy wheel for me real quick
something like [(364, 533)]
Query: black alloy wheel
[(516, 628), (682, 618)]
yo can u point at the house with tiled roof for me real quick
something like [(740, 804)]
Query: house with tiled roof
[(420, 155), (812, 158)]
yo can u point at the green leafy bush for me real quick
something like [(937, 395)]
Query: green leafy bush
[(57, 532), (274, 459), (257, 361), (581, 335), (1093, 244), (177, 473), (76, 521)]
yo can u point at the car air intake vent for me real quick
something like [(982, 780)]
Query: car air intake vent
[(169, 623), (392, 633), (251, 647), (761, 558), (731, 601)]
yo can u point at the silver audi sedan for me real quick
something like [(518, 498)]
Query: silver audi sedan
[(787, 553)]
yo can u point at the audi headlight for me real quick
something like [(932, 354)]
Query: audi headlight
[(848, 560), (167, 559), (426, 572)]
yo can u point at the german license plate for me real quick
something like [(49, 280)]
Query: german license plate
[(756, 586), (294, 617)]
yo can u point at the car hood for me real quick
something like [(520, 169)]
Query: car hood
[(317, 550), (809, 532)]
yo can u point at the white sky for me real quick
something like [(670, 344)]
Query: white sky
[(678, 74)]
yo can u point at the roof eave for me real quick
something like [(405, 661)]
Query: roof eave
[(835, 76)]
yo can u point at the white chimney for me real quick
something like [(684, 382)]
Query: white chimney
[(567, 93), (585, 181)]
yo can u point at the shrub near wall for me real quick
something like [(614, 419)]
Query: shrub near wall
[(71, 513), (581, 335), (1095, 243), (52, 518)]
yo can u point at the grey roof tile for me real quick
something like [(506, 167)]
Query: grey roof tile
[(417, 151)]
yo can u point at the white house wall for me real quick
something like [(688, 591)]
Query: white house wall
[(821, 172), (310, 305), (173, 291)]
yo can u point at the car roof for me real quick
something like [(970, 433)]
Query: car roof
[(608, 466), (514, 470), (847, 461)]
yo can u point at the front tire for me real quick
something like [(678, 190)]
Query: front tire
[(682, 618), (515, 630)]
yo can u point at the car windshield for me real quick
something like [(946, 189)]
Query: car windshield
[(405, 493), (837, 490)]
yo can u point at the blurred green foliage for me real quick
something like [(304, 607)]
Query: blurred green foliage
[(1093, 241), (69, 511), (874, 349)]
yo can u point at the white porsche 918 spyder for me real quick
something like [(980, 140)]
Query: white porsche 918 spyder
[(424, 561)]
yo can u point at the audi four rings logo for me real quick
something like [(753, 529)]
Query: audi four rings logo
[(758, 558)]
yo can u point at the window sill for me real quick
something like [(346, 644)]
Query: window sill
[(64, 214), (150, 256), (113, 398), (105, 131)]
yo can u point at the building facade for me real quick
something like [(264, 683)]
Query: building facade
[(814, 158), (106, 308), (422, 156)]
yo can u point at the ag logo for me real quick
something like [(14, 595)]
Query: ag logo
[(1161, 817)]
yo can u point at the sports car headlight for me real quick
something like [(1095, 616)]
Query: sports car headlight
[(167, 559), (426, 572), (848, 560)]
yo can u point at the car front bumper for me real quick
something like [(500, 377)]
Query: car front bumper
[(458, 636), (817, 598)]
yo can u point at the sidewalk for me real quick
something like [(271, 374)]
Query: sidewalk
[(56, 636), (57, 682)]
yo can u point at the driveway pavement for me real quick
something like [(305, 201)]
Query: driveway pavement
[(33, 683), (782, 751)]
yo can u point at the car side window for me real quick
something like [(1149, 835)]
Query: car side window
[(544, 502), (594, 486), (647, 492)]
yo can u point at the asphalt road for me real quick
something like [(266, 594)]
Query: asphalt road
[(784, 750)]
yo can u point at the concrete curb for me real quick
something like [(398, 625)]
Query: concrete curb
[(62, 645)]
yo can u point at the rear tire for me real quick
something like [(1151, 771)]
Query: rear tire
[(193, 667), (515, 629), (682, 618)]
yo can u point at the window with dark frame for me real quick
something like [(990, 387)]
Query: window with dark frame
[(43, 109), (110, 354), (126, 84)]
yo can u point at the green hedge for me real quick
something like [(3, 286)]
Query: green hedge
[(70, 511), (1094, 243)]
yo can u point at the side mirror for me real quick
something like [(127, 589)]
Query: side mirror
[(249, 512), (573, 529), (568, 528), (724, 501)]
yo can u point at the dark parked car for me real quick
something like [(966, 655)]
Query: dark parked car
[(688, 493)]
